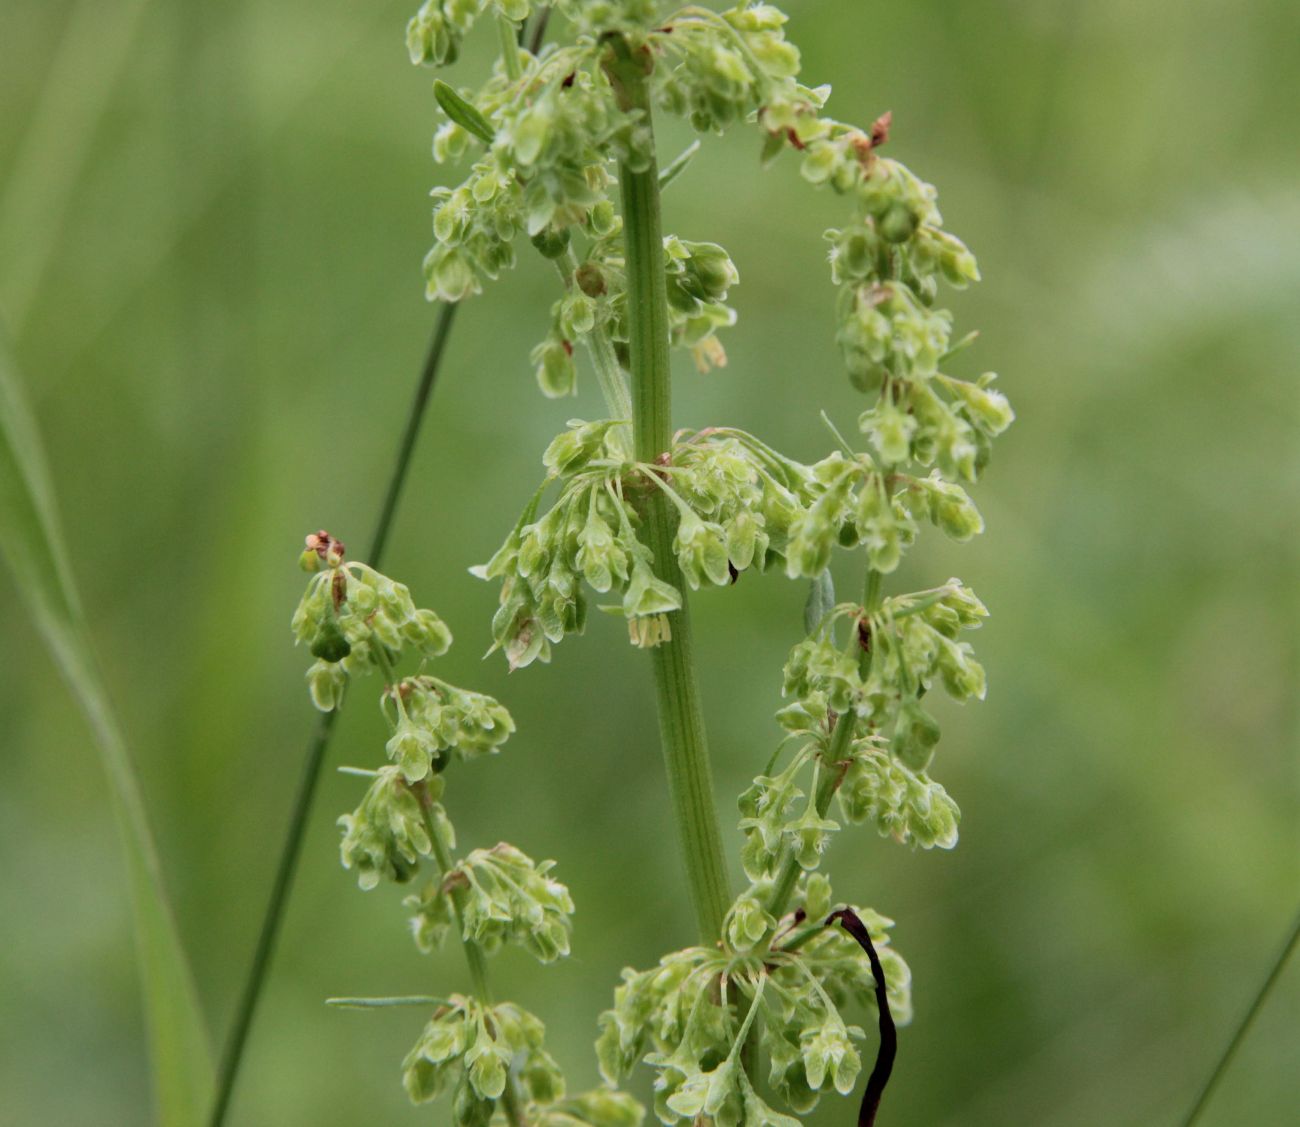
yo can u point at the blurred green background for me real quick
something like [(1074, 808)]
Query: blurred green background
[(212, 217)]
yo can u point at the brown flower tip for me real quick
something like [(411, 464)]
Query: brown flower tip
[(880, 129), (329, 548)]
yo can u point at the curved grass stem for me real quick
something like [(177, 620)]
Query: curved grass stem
[(316, 748), (1230, 1050)]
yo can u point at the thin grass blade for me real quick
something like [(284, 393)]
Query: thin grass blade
[(32, 546)]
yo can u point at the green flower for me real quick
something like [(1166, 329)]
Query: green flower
[(509, 898), (385, 837)]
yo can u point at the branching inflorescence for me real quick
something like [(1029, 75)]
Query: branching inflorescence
[(489, 1055), (749, 1026)]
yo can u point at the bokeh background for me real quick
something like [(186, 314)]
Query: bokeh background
[(212, 217)]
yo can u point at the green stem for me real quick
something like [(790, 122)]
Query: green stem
[(509, 35), (473, 952), (316, 748), (681, 717), (840, 746), (609, 373), (1270, 980), (841, 742)]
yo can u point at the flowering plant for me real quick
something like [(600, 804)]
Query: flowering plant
[(754, 1023)]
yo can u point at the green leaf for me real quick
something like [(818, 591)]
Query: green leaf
[(463, 113), (32, 546)]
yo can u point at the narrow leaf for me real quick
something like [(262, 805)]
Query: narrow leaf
[(463, 113), (678, 165), (31, 544), (385, 1003)]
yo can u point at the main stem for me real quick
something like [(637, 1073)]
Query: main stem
[(681, 717)]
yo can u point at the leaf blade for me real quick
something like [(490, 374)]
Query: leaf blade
[(32, 546)]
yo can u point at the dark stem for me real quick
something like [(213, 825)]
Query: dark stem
[(539, 31), (428, 377), (316, 748), (848, 919), (1240, 1035)]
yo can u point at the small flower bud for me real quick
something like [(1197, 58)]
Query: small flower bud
[(899, 222), (590, 279), (412, 750), (648, 595), (556, 374), (551, 242), (329, 643), (915, 735)]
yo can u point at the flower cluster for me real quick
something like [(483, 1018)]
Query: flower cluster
[(505, 897), (470, 1049), (903, 803), (547, 140), (775, 825), (471, 1045), (431, 718), (699, 278), (437, 30), (546, 130), (874, 681), (888, 262), (355, 619), (689, 1017), (736, 501), (891, 658), (856, 504), (385, 837), (716, 69)]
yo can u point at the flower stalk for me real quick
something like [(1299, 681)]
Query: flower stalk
[(838, 756), (474, 955)]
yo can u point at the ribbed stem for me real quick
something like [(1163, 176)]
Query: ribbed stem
[(681, 718)]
